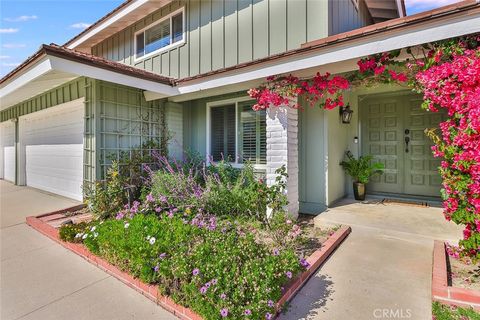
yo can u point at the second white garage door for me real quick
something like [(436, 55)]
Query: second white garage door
[(7, 151), (53, 142)]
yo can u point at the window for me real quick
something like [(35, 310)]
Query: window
[(161, 35), (237, 133)]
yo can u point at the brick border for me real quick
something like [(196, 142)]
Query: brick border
[(40, 224), (444, 293)]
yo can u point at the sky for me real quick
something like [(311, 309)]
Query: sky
[(27, 24)]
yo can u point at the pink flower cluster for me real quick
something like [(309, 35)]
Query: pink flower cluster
[(284, 91), (454, 84)]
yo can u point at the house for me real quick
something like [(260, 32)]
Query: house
[(184, 66)]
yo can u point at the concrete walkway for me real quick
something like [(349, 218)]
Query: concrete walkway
[(382, 270), (39, 279)]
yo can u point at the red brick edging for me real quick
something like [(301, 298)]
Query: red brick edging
[(40, 224), (444, 293)]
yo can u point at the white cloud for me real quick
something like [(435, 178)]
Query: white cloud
[(8, 30), (10, 64), (4, 57), (14, 45), (80, 25), (21, 18)]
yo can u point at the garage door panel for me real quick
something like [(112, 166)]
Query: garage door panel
[(9, 163), (7, 151), (53, 143), (56, 168)]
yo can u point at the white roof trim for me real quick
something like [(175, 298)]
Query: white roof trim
[(12, 94), (108, 22)]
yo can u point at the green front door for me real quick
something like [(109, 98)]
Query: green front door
[(392, 130)]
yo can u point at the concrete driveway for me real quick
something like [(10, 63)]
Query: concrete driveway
[(382, 270), (40, 279)]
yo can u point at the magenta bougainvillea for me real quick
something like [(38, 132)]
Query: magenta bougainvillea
[(448, 74), (453, 83)]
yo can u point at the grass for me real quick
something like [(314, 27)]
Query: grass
[(443, 312)]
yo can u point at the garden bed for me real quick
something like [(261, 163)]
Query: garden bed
[(444, 290), (48, 224)]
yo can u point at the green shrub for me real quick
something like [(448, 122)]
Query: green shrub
[(73, 232), (204, 264), (221, 190), (443, 312), (107, 197)]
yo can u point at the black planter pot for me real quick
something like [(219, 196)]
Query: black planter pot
[(359, 191)]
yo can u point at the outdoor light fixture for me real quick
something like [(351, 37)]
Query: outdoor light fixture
[(346, 113)]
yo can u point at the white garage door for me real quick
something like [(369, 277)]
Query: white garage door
[(7, 151), (53, 141)]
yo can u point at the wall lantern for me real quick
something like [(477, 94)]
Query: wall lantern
[(346, 113)]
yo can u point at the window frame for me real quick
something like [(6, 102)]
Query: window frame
[(166, 48), (220, 103)]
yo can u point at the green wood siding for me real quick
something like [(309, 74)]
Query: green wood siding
[(72, 90), (343, 16), (223, 33)]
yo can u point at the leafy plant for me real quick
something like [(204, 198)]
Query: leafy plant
[(443, 312), (361, 169), (107, 197), (73, 232), (206, 264)]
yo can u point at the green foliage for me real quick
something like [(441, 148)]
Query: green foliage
[(361, 169), (235, 272), (73, 232), (443, 312), (107, 197), (220, 189)]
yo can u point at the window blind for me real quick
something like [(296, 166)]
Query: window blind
[(253, 134), (157, 36), (222, 138)]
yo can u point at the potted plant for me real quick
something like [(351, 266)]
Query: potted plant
[(361, 170)]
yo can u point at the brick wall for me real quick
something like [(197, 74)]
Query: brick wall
[(282, 149)]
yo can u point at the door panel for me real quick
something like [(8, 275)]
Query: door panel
[(7, 151), (421, 168), (381, 137), (409, 169)]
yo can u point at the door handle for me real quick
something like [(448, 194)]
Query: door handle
[(407, 140)]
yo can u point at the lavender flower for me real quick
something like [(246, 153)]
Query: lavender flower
[(268, 316), (214, 281), (270, 303), (207, 285), (162, 255), (276, 252), (223, 296), (288, 274), (156, 268), (149, 198), (196, 272), (224, 312), (248, 312), (203, 290), (304, 263)]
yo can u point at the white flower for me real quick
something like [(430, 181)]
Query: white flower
[(148, 237), (95, 234), (85, 236), (152, 240), (127, 225), (93, 228), (78, 235)]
